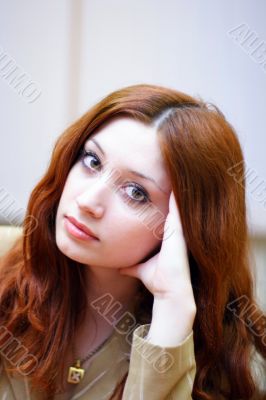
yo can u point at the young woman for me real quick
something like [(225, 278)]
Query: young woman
[(131, 279)]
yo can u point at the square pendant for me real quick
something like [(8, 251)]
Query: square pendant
[(75, 375)]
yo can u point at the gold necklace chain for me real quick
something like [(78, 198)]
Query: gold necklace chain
[(93, 351), (76, 373)]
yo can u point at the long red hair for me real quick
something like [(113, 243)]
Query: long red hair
[(42, 292)]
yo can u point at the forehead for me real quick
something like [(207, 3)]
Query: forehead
[(127, 131), (131, 144), (128, 138)]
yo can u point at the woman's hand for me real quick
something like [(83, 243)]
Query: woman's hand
[(167, 276), (167, 273)]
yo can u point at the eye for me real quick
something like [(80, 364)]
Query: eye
[(90, 160), (136, 193)]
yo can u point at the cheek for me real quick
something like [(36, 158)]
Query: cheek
[(132, 240), (132, 224), (66, 199), (152, 221), (147, 224), (69, 191)]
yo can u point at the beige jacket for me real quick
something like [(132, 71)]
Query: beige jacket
[(154, 372)]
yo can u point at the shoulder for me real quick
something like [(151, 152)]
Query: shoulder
[(8, 236), (258, 370), (10, 388)]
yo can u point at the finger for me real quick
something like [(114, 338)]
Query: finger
[(174, 212)]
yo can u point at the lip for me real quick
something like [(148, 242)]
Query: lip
[(78, 229)]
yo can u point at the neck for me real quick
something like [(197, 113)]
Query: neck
[(110, 290)]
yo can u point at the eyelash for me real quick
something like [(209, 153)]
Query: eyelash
[(146, 199)]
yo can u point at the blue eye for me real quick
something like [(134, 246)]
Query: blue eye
[(92, 162)]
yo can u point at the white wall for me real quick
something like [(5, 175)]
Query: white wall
[(36, 35)]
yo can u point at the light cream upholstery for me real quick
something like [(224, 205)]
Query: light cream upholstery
[(8, 235)]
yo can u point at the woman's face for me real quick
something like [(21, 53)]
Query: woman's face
[(122, 208)]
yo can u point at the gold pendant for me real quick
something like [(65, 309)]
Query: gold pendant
[(76, 373)]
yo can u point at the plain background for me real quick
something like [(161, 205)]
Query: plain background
[(77, 51)]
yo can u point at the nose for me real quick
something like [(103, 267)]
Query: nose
[(91, 200)]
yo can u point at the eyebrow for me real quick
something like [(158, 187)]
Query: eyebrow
[(139, 174)]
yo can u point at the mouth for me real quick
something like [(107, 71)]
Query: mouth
[(77, 229)]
